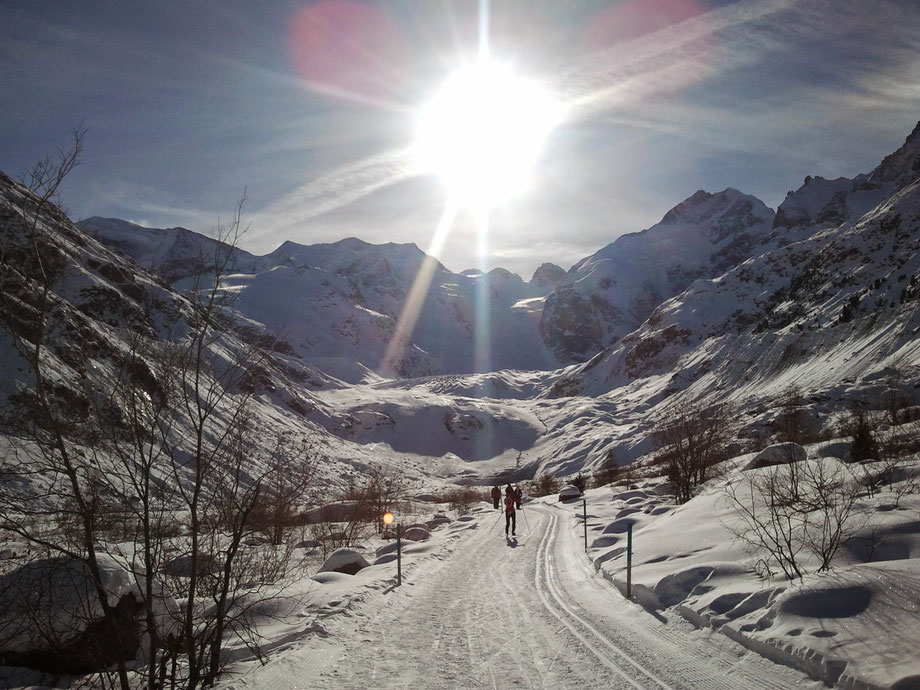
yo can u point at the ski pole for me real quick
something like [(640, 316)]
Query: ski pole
[(525, 518), (496, 522)]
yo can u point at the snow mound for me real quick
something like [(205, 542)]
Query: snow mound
[(417, 534), (344, 561), (777, 454), (569, 492), (52, 619), (831, 449)]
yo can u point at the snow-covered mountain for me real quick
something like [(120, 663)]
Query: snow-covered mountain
[(607, 295), (830, 304), (721, 299), (344, 303)]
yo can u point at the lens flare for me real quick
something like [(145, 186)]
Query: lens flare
[(352, 50)]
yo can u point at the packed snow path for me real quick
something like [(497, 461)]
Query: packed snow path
[(527, 613)]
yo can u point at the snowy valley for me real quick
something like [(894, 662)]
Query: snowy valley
[(133, 355)]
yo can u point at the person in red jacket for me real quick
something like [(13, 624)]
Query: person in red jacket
[(510, 518)]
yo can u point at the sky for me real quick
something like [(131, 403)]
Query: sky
[(312, 108)]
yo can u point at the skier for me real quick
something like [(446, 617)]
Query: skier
[(518, 496), (496, 496), (510, 519)]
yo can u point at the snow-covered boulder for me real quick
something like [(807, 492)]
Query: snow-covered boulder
[(777, 454), (838, 448), (438, 520), (52, 619), (416, 533), (344, 561), (569, 491)]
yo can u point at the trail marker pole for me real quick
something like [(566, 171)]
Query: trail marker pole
[(399, 555), (584, 505), (629, 561), (388, 519)]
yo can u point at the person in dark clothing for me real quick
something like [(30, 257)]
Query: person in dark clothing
[(518, 497), (496, 496), (510, 519)]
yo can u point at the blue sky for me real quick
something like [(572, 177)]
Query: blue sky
[(311, 106)]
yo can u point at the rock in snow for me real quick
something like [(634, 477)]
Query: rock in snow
[(344, 561)]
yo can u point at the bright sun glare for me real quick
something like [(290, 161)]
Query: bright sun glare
[(483, 131)]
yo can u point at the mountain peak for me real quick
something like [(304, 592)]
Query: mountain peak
[(702, 204)]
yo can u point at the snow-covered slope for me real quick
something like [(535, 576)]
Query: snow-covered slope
[(822, 311), (607, 295)]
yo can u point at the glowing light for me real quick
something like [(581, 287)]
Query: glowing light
[(483, 131), (388, 518)]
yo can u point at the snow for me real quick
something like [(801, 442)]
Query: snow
[(541, 610), (546, 609), (538, 610)]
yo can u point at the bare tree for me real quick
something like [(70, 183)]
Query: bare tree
[(46, 457), (609, 470), (383, 488), (691, 441), (164, 450)]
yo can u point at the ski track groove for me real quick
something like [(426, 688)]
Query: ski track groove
[(486, 613)]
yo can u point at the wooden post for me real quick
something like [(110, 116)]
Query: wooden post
[(399, 555), (584, 505), (629, 561)]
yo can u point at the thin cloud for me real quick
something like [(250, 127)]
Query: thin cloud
[(337, 189)]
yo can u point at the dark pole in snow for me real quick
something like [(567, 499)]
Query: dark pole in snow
[(629, 560), (398, 555), (584, 505)]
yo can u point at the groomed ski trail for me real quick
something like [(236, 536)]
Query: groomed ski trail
[(492, 613)]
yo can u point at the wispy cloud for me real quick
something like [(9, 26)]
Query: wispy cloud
[(336, 189), (670, 58)]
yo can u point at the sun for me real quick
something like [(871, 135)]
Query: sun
[(483, 131)]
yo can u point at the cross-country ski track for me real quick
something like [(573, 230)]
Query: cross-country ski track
[(485, 612)]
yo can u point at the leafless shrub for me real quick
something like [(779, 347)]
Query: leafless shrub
[(546, 484), (797, 509), (609, 470), (463, 498), (691, 441), (382, 489), (792, 423)]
